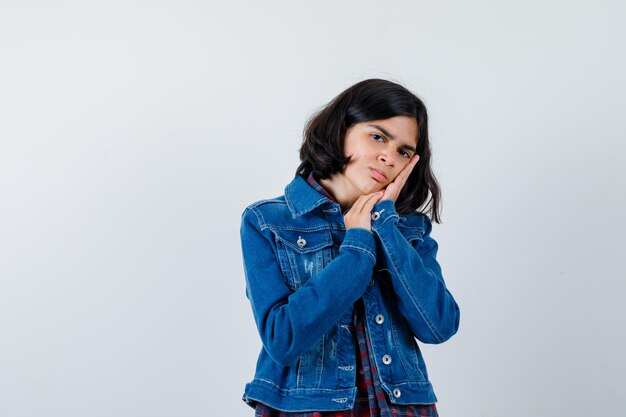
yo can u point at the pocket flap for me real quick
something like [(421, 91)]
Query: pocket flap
[(305, 241)]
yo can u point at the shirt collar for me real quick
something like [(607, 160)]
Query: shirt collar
[(313, 183)]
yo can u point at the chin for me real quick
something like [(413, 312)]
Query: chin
[(372, 188), (368, 185)]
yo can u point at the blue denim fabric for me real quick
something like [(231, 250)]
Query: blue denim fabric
[(304, 272)]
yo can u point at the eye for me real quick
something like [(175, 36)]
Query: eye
[(377, 138), (404, 153)]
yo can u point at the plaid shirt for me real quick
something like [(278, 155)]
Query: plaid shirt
[(371, 399)]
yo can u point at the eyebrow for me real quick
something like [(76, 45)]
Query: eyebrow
[(392, 137)]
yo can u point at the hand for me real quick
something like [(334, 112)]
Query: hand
[(392, 191), (359, 214)]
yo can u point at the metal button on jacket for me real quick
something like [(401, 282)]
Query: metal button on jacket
[(375, 215), (301, 242), (397, 393), (379, 318), (386, 359)]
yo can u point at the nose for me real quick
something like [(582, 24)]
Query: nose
[(387, 157)]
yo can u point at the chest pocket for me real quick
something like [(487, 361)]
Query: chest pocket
[(303, 254)]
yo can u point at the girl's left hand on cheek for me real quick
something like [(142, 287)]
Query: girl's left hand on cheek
[(392, 191)]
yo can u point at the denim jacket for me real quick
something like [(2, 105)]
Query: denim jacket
[(304, 272)]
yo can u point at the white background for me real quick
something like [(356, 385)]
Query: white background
[(133, 134)]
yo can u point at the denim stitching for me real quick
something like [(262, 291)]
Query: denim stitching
[(328, 241), (394, 337), (360, 249), (299, 389), (320, 366), (259, 217), (297, 280), (300, 229)]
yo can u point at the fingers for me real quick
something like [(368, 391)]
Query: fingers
[(359, 214), (361, 202), (404, 174), (370, 202), (406, 171), (393, 189)]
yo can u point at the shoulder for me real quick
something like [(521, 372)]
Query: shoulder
[(263, 211), (267, 204), (415, 219), (415, 226)]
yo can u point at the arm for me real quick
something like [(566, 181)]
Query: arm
[(423, 299), (290, 323)]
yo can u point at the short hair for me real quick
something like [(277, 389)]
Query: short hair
[(373, 99)]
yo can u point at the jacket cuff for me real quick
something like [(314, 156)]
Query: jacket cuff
[(360, 239), (384, 212)]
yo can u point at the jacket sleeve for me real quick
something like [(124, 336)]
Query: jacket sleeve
[(423, 299), (289, 323)]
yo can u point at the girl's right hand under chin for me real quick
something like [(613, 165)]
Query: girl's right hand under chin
[(360, 213)]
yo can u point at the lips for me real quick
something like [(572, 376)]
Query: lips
[(378, 175)]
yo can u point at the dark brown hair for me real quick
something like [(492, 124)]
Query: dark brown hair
[(373, 99)]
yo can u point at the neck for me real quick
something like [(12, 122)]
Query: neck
[(339, 187)]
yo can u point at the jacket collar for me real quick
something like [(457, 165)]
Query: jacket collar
[(302, 198)]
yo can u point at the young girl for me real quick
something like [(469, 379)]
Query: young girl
[(341, 270)]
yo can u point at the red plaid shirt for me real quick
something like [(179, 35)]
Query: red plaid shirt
[(371, 399)]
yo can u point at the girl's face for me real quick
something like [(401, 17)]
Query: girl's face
[(379, 149)]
